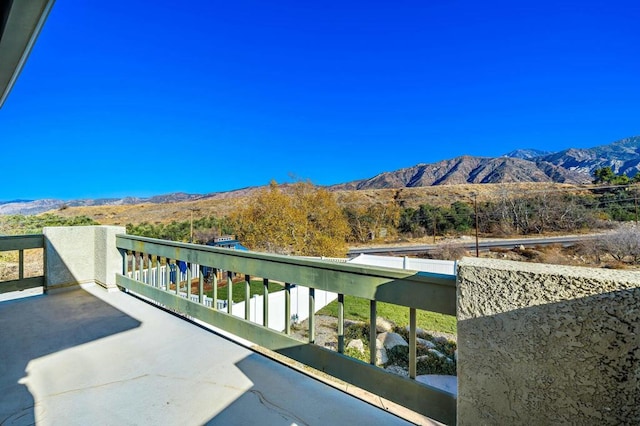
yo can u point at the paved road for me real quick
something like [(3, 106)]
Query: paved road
[(482, 245)]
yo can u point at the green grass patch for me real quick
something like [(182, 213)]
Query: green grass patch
[(357, 309), (255, 287)]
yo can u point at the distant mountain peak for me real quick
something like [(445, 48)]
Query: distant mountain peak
[(15, 201), (526, 154)]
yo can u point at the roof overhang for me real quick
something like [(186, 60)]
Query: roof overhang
[(20, 24)]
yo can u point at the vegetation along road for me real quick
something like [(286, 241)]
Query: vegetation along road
[(482, 245)]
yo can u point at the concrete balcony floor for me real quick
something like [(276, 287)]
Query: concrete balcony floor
[(87, 356)]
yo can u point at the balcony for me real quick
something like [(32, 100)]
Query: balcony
[(155, 340), (118, 339)]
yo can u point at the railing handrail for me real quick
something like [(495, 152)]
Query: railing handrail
[(382, 271), (21, 242), (421, 290)]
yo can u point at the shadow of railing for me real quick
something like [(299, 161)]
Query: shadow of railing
[(279, 396)]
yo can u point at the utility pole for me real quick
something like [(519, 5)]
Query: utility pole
[(635, 199), (475, 209), (434, 228)]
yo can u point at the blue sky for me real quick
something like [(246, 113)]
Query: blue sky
[(123, 98)]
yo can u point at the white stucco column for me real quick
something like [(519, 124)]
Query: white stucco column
[(547, 344), (81, 254)]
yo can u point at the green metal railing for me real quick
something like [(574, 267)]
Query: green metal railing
[(413, 290), (21, 243)]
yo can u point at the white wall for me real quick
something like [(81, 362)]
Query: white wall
[(299, 306), (447, 267)]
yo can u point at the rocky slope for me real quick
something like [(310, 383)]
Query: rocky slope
[(469, 169), (622, 156)]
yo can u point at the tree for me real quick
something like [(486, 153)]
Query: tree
[(369, 219), (409, 223), (298, 219), (606, 175), (603, 175), (623, 244), (516, 213), (462, 216)]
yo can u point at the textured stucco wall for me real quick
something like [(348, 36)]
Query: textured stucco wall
[(108, 260), (81, 254), (547, 344)]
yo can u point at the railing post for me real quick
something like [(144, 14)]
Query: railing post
[(412, 343), (143, 256), (229, 292), (341, 323), (287, 308), (133, 265), (20, 264), (189, 281), (247, 301), (147, 257), (372, 332), (312, 314), (125, 262), (150, 275), (200, 284), (141, 267), (167, 274), (214, 290), (265, 302), (158, 273), (177, 276)]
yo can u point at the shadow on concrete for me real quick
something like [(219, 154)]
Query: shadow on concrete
[(56, 268), (575, 361), (41, 325)]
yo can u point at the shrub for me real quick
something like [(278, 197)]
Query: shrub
[(430, 363), (450, 252), (362, 356), (433, 364), (398, 355), (357, 330)]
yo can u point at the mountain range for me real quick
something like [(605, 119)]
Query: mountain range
[(573, 165)]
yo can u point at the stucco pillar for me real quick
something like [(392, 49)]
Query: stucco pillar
[(547, 344), (81, 254)]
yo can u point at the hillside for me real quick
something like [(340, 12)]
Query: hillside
[(223, 205), (571, 166), (27, 207)]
